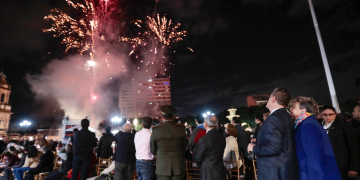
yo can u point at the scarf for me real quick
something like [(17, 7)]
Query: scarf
[(301, 118)]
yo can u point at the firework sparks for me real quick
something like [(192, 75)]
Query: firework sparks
[(74, 32)]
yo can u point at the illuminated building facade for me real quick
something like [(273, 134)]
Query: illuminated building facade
[(145, 98)]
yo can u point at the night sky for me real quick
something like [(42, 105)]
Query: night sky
[(242, 48)]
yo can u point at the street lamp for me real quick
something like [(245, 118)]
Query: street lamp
[(116, 120), (208, 114), (25, 124)]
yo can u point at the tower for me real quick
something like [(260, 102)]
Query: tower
[(5, 107)]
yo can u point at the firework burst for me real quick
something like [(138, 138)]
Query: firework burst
[(75, 32)]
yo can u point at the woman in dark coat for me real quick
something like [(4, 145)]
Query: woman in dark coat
[(344, 143), (313, 148)]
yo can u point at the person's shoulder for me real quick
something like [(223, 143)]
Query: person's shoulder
[(157, 126)]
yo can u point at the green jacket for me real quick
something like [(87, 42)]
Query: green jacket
[(168, 142)]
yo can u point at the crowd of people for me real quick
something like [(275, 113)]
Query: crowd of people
[(295, 139)]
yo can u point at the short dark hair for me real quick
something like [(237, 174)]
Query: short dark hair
[(7, 153), (85, 123), (259, 117), (12, 148), (107, 128), (236, 120), (192, 128), (282, 96), (328, 107), (33, 152), (309, 104), (46, 148), (75, 130), (168, 116), (146, 122)]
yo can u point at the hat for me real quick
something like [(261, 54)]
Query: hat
[(168, 110)]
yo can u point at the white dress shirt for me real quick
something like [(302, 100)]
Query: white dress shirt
[(274, 110), (142, 145), (326, 127)]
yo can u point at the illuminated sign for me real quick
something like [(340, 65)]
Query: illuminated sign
[(166, 83)]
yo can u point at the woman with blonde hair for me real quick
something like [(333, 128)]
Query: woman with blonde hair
[(313, 148)]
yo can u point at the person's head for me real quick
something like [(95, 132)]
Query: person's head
[(328, 113), (192, 128), (210, 122), (259, 119), (236, 120), (33, 152), (146, 122), (231, 130), (127, 127), (356, 112), (107, 129), (304, 105), (168, 112), (7, 153), (85, 124), (26, 149), (75, 130), (45, 148), (12, 148), (68, 148), (266, 115), (280, 98)]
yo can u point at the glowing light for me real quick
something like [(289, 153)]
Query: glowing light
[(94, 97), (91, 63), (25, 123), (116, 120)]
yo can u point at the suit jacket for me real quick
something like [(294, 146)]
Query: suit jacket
[(125, 149), (242, 140), (314, 152), (345, 146), (275, 148), (195, 136), (168, 142), (209, 155), (104, 147)]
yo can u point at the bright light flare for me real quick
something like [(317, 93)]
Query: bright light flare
[(91, 63)]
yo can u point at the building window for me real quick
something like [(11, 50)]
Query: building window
[(2, 97)]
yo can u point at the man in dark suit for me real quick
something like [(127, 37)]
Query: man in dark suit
[(83, 147), (168, 142), (210, 150), (125, 153), (275, 144)]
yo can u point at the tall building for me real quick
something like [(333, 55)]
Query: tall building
[(144, 98), (257, 100), (5, 107)]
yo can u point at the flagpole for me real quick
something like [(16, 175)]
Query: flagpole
[(325, 61)]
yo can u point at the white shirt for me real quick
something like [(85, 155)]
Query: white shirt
[(274, 110), (327, 126), (142, 145)]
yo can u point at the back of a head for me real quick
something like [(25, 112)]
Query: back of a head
[(7, 153), (146, 122), (232, 130), (68, 148), (211, 121), (259, 117), (75, 130), (236, 120), (309, 104), (266, 115), (127, 127), (282, 96), (85, 123), (12, 148), (107, 129), (33, 152)]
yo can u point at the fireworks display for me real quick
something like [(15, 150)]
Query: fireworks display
[(75, 32)]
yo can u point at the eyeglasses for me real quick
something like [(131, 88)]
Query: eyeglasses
[(332, 114)]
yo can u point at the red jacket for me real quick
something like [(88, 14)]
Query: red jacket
[(92, 163)]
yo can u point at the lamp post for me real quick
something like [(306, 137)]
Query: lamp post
[(25, 124), (208, 114)]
